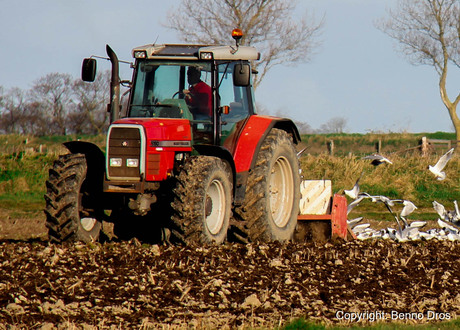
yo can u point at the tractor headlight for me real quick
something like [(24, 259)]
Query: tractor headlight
[(206, 55), (115, 162), (132, 162), (140, 54)]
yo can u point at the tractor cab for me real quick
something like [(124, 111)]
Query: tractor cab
[(208, 85)]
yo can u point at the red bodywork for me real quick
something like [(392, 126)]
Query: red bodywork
[(163, 139), (253, 133), (166, 137)]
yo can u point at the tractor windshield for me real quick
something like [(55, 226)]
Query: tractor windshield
[(172, 90)]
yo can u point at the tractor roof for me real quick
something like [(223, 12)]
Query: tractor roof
[(195, 52)]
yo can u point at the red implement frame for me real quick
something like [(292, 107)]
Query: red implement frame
[(337, 218)]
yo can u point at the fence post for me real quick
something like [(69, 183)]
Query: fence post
[(424, 146), (330, 147), (378, 146)]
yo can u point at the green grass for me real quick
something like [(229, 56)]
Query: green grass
[(407, 178), (301, 324), (24, 168), (441, 136), (362, 144)]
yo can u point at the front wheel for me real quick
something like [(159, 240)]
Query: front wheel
[(271, 206), (202, 201), (72, 210)]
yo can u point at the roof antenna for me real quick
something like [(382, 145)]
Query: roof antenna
[(155, 42)]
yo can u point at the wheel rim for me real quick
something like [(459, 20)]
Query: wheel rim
[(88, 223), (215, 207), (281, 191)]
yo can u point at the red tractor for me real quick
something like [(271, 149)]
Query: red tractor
[(188, 154)]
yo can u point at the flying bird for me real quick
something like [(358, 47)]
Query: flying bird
[(417, 224), (355, 203), (439, 166), (408, 208), (353, 192), (446, 215), (448, 226), (440, 209), (382, 199), (377, 159), (353, 222)]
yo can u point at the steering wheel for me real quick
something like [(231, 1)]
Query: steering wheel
[(180, 93)]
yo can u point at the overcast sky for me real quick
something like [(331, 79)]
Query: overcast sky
[(356, 74)]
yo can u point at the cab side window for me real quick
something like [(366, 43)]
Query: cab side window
[(238, 99)]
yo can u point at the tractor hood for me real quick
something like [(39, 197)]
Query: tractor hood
[(161, 129)]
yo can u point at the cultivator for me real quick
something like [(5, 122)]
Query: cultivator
[(322, 216)]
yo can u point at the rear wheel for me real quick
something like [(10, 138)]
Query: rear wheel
[(72, 212), (271, 206), (202, 201)]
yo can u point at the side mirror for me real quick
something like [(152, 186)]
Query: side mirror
[(88, 69), (241, 74)]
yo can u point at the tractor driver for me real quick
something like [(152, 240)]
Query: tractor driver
[(199, 94)]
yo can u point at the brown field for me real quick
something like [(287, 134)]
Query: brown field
[(135, 285)]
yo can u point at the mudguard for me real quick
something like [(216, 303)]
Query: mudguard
[(249, 143), (95, 161), (252, 136)]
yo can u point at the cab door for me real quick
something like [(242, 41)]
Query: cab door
[(240, 102)]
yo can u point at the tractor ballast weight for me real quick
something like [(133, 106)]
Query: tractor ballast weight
[(188, 154)]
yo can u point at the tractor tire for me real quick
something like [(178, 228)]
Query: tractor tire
[(271, 205), (72, 213), (202, 201)]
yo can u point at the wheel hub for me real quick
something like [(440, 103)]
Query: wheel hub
[(281, 191), (215, 207), (208, 206), (88, 223)]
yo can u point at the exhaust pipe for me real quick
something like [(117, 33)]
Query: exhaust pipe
[(114, 106)]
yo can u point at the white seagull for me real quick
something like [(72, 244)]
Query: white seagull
[(439, 166), (360, 228), (377, 159), (447, 226), (353, 204), (353, 222), (451, 216), (353, 192), (408, 208), (440, 209)]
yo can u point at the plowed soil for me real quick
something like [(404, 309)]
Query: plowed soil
[(135, 285)]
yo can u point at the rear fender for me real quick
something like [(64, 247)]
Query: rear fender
[(249, 144)]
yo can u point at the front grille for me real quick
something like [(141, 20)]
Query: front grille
[(124, 143)]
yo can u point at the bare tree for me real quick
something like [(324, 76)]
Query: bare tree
[(13, 105), (267, 25), (18, 115), (334, 125), (428, 33), (304, 128), (53, 93), (90, 115)]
